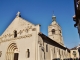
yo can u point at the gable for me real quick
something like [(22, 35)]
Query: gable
[(17, 24)]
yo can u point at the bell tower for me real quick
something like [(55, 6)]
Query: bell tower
[(55, 32)]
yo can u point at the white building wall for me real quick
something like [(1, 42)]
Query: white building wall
[(22, 44), (72, 55), (27, 37)]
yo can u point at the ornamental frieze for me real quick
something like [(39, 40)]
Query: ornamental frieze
[(9, 37), (34, 29), (20, 32), (20, 37), (26, 30)]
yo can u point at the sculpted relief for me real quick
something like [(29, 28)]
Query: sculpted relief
[(20, 34)]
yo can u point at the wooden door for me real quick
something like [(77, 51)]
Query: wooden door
[(16, 56)]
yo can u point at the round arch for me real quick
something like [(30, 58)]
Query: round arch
[(10, 51)]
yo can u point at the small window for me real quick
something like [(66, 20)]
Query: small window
[(54, 49), (59, 51), (0, 53), (46, 47), (62, 52), (53, 31), (28, 53), (60, 31), (74, 52), (15, 33), (44, 55)]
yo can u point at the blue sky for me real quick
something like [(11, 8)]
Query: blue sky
[(40, 12)]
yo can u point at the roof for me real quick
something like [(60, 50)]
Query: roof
[(52, 42), (17, 22), (74, 48)]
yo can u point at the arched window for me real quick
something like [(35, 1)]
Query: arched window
[(0, 53), (53, 31), (62, 52), (15, 33), (74, 53), (28, 53), (59, 51), (60, 31), (46, 47), (54, 49)]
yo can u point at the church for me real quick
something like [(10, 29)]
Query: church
[(23, 40)]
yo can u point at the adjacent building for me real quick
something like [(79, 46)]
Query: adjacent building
[(75, 52), (76, 17), (23, 40)]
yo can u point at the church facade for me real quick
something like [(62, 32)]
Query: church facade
[(23, 40)]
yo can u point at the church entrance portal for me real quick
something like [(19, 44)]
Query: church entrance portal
[(12, 52)]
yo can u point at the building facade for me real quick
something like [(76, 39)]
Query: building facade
[(75, 52), (23, 40)]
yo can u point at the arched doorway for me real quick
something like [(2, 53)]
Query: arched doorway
[(12, 52)]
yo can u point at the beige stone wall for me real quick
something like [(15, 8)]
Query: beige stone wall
[(18, 24), (57, 36), (40, 48), (22, 44), (52, 52), (27, 37), (72, 54)]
